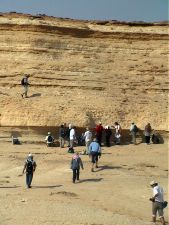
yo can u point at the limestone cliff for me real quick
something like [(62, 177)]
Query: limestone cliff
[(82, 72)]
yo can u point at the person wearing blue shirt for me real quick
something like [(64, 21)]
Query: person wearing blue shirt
[(94, 152)]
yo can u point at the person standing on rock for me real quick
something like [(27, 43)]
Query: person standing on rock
[(76, 163), (25, 84), (157, 202), (29, 167), (94, 153)]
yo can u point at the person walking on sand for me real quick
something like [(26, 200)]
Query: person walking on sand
[(147, 133), (29, 167), (25, 84), (157, 202), (76, 163), (94, 153)]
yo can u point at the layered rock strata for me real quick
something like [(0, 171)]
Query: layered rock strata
[(82, 72)]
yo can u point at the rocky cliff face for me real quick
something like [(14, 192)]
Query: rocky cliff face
[(82, 72)]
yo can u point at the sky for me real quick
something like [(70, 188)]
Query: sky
[(122, 10)]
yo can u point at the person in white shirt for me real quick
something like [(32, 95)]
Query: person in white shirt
[(157, 202), (117, 133), (72, 137), (88, 139)]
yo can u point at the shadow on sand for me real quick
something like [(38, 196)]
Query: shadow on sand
[(35, 95), (9, 186), (108, 168), (48, 186), (91, 180)]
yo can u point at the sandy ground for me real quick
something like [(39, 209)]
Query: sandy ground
[(116, 193)]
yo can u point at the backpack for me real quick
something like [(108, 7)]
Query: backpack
[(50, 138), (75, 164), (165, 203), (29, 168), (62, 133), (70, 150), (135, 129), (22, 81)]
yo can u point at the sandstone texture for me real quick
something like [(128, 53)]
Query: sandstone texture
[(82, 72)]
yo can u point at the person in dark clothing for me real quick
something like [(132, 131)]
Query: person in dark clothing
[(29, 167), (108, 134), (62, 135), (76, 163), (147, 133), (68, 129), (155, 137), (25, 84), (98, 132), (49, 140)]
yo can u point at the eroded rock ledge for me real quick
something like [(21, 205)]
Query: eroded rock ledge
[(83, 71)]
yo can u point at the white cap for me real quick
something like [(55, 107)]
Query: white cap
[(153, 183), (30, 156)]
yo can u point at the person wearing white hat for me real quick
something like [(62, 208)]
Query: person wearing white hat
[(88, 139), (49, 140), (157, 202), (29, 167)]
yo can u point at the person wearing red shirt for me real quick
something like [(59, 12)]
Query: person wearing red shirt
[(99, 131)]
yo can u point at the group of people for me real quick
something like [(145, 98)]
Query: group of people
[(157, 199), (76, 162), (69, 134), (93, 142)]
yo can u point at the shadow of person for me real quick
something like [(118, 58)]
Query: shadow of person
[(47, 186), (108, 168), (91, 180), (35, 95), (9, 186)]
